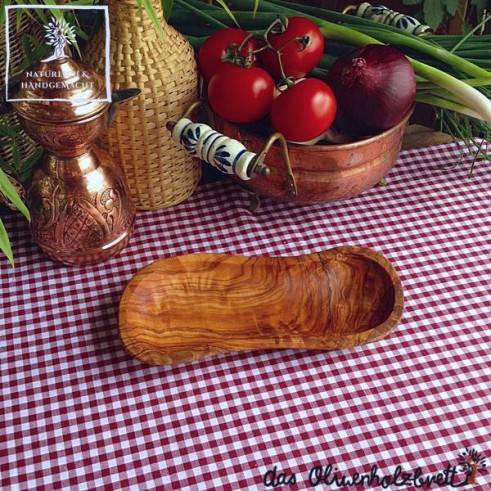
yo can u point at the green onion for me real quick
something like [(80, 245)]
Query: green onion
[(474, 99), (212, 21), (381, 34)]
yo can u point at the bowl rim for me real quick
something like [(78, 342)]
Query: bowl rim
[(329, 147)]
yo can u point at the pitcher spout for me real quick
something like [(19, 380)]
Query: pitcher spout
[(121, 97)]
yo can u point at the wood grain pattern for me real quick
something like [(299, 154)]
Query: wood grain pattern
[(189, 307)]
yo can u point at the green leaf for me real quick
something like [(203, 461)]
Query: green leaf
[(39, 53), (33, 45), (81, 34), (451, 6), (480, 7), (34, 14), (229, 12), (83, 2), (15, 158), (256, 8), (147, 5), (5, 131), (54, 12), (9, 191), (6, 167), (434, 12), (18, 19), (26, 46), (5, 243), (3, 4), (412, 2), (167, 8), (77, 49)]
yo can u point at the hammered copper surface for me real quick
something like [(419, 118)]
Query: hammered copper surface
[(79, 203), (81, 212), (322, 173), (60, 90)]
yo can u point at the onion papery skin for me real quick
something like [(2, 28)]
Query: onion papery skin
[(375, 87)]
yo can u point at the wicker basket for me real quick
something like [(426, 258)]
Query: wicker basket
[(158, 171)]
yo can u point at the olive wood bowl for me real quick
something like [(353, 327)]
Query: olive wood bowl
[(199, 305)]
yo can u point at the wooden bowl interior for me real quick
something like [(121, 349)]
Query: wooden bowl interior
[(217, 302)]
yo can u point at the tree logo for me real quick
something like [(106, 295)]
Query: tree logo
[(59, 34), (472, 462)]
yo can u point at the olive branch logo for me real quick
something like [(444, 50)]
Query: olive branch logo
[(59, 34), (471, 462)]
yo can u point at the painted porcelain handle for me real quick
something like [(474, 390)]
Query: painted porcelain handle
[(225, 154), (383, 15)]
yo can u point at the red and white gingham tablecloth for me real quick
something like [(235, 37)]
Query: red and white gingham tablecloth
[(78, 413)]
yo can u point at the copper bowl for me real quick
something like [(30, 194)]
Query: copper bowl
[(309, 174)]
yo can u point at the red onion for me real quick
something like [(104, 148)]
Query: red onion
[(374, 86)]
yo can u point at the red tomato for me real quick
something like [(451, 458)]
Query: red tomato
[(296, 58), (304, 111), (215, 47), (241, 95)]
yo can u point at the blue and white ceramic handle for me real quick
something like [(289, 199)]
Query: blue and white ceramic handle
[(383, 15), (225, 154)]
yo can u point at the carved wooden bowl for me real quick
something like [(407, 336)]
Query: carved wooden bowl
[(185, 308), (322, 173)]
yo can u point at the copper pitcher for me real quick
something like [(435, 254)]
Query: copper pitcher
[(81, 212)]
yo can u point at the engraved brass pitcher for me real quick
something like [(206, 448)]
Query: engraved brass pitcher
[(79, 203)]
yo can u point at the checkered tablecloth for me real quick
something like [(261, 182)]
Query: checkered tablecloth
[(79, 413)]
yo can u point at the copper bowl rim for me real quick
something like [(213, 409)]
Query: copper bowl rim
[(333, 147), (364, 141)]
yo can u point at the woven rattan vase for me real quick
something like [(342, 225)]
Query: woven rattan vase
[(158, 171)]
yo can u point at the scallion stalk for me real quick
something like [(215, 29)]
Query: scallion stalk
[(474, 99), (211, 19), (443, 103), (383, 35), (473, 82)]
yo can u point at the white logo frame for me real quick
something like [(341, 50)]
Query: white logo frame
[(107, 70)]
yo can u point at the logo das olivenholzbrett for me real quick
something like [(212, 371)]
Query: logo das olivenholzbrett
[(472, 462)]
